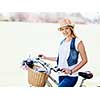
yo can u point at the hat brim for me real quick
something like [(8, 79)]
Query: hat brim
[(69, 25)]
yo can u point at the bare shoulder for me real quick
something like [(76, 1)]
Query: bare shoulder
[(77, 42), (82, 51), (81, 46)]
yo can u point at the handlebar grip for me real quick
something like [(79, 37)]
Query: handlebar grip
[(59, 69), (56, 70)]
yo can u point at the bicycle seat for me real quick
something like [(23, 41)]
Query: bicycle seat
[(86, 74)]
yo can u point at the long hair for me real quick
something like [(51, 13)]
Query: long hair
[(72, 32)]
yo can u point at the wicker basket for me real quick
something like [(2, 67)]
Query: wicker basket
[(37, 79)]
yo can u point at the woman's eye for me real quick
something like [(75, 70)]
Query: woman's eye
[(66, 28), (61, 29)]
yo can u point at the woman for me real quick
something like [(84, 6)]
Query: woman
[(68, 52)]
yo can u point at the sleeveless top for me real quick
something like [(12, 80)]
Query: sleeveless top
[(68, 55)]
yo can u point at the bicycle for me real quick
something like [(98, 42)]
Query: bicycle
[(47, 69)]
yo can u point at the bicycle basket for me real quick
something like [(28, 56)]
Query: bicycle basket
[(37, 79)]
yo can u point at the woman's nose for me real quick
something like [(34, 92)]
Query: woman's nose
[(64, 30)]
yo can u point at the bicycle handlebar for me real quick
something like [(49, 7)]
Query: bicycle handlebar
[(30, 63)]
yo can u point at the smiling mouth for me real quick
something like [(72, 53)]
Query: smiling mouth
[(65, 32)]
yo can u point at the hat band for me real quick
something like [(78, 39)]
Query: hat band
[(70, 25)]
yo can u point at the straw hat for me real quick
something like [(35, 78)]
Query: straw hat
[(66, 22)]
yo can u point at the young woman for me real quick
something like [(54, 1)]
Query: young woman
[(68, 55)]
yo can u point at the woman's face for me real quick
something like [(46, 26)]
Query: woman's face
[(66, 31)]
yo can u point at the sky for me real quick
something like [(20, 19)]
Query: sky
[(50, 5)]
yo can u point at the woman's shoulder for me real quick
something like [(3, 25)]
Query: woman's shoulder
[(77, 41)]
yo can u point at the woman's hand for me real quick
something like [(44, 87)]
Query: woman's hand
[(47, 58), (42, 56), (66, 71)]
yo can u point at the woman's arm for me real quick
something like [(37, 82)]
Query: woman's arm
[(51, 58), (83, 55)]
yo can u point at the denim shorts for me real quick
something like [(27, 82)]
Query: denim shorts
[(67, 81)]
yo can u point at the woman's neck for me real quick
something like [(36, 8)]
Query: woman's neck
[(68, 38)]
